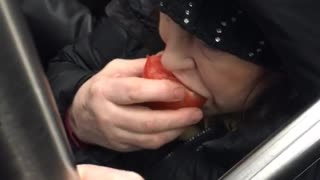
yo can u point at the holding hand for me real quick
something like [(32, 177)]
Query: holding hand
[(108, 109)]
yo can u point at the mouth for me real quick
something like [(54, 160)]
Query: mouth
[(197, 85)]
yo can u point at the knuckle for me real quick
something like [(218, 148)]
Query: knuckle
[(132, 96), (102, 119), (134, 92), (113, 136), (114, 62), (165, 86), (83, 173), (149, 125), (118, 60), (96, 88)]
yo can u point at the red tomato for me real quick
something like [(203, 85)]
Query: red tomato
[(154, 70)]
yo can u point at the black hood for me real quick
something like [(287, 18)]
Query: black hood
[(223, 25)]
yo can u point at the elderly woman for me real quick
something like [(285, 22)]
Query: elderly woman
[(251, 60)]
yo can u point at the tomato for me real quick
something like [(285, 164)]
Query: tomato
[(154, 70)]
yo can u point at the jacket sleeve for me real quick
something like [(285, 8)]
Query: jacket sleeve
[(56, 23), (293, 29)]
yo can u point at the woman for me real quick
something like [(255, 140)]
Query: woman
[(215, 49)]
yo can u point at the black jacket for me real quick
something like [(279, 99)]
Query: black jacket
[(209, 154), (57, 23)]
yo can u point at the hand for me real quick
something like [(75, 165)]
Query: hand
[(108, 109), (91, 172)]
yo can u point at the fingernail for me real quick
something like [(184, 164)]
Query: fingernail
[(179, 93)]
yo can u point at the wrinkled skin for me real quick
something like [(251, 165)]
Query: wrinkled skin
[(228, 82)]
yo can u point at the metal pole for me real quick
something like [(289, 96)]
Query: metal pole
[(286, 154), (33, 145)]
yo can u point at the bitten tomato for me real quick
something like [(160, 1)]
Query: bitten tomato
[(154, 70)]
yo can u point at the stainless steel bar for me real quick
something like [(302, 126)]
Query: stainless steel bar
[(33, 145), (286, 154)]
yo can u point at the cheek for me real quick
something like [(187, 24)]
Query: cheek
[(228, 81)]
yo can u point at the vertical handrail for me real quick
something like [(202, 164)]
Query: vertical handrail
[(33, 145), (286, 154)]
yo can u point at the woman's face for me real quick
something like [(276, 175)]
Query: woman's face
[(226, 80)]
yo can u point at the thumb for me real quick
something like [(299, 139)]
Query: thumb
[(92, 172)]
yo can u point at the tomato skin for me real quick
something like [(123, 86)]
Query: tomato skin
[(154, 70)]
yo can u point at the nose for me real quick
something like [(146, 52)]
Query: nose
[(177, 54)]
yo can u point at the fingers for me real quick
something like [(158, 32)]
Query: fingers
[(147, 141), (124, 67), (91, 172), (107, 109), (133, 90), (130, 128), (143, 120)]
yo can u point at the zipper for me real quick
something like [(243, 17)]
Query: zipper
[(189, 141)]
